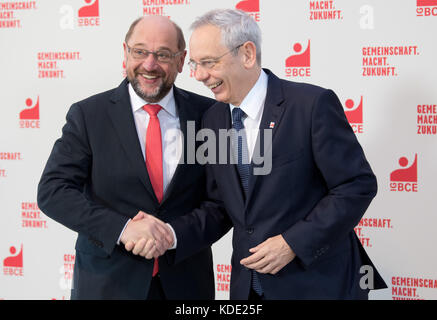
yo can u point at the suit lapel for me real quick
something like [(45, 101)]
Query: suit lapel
[(123, 121), (272, 114)]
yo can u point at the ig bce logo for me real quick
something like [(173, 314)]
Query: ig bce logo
[(87, 16), (13, 265), (405, 178), (29, 117), (298, 64), (426, 8)]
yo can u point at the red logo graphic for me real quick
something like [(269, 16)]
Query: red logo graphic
[(91, 10), (299, 59), (31, 113), (426, 3), (14, 261), (248, 5), (251, 7), (89, 14), (426, 8), (354, 114), (13, 265), (29, 118), (299, 64), (404, 179)]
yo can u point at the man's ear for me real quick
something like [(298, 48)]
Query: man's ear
[(125, 53), (181, 60), (249, 54)]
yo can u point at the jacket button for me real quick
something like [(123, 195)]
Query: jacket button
[(249, 230)]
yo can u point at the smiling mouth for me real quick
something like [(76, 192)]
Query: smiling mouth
[(149, 77), (215, 85)]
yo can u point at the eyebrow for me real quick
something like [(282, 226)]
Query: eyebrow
[(143, 45), (206, 58)]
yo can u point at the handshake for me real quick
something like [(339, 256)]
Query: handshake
[(147, 236)]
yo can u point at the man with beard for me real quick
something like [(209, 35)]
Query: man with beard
[(115, 175)]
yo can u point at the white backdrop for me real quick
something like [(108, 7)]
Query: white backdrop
[(378, 56)]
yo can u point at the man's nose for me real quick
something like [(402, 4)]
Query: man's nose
[(200, 73), (150, 62)]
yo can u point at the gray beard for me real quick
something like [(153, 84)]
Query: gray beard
[(155, 96)]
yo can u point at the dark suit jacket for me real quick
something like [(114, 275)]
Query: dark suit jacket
[(319, 187), (96, 179)]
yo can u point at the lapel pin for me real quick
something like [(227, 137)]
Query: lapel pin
[(272, 125)]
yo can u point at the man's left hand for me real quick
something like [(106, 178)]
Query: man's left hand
[(269, 256)]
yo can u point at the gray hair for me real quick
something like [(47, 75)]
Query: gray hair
[(237, 27)]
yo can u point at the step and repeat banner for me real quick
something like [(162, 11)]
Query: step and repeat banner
[(378, 56)]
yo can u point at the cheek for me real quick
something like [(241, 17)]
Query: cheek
[(171, 71), (180, 67), (228, 85), (130, 66)]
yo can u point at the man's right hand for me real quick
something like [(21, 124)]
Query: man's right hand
[(147, 236)]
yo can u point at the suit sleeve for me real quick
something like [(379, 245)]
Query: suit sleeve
[(203, 226), (62, 189), (349, 180)]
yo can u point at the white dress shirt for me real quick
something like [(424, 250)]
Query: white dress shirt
[(168, 121), (253, 107), (170, 128)]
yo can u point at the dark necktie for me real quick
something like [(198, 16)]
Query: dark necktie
[(243, 167)]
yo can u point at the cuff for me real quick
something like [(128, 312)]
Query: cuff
[(121, 233), (174, 237)]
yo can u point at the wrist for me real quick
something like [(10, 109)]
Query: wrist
[(123, 236)]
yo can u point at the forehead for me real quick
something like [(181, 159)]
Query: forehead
[(154, 34), (206, 42)]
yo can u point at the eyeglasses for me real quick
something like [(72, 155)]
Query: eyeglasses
[(209, 63), (162, 55)]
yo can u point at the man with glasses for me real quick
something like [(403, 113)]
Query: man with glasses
[(115, 174), (293, 227)]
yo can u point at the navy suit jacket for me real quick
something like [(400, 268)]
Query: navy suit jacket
[(319, 187), (96, 179)]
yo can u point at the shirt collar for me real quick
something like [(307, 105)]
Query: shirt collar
[(167, 103), (254, 100)]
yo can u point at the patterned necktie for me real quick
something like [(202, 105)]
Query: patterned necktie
[(154, 157), (240, 148), (243, 167)]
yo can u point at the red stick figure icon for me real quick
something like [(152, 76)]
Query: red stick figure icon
[(406, 174), (14, 261), (30, 113), (91, 10), (299, 59)]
